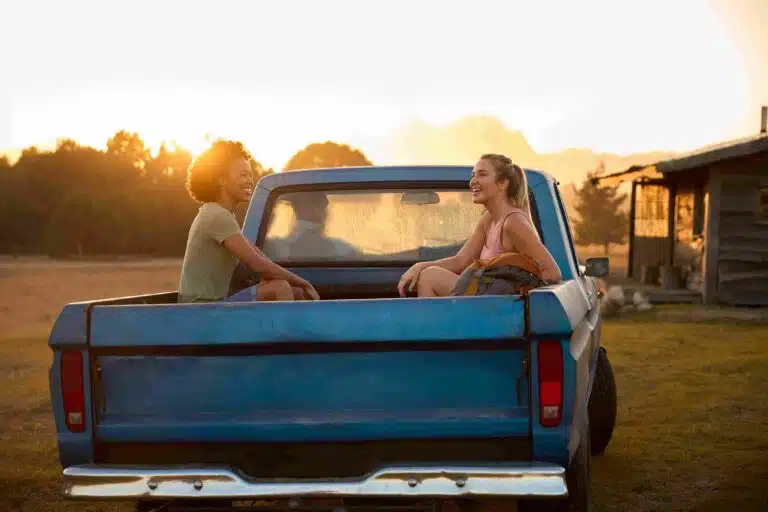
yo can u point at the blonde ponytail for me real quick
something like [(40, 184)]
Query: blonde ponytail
[(517, 192)]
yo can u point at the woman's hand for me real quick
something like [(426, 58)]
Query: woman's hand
[(309, 291), (410, 278)]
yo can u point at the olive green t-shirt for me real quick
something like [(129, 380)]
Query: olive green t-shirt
[(208, 265)]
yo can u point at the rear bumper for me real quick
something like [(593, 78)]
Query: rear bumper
[(130, 482)]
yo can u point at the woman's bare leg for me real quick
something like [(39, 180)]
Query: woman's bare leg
[(435, 282), (274, 290)]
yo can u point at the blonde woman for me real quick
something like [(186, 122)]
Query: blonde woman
[(501, 186)]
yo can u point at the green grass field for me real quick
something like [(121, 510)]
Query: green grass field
[(693, 417), (691, 434)]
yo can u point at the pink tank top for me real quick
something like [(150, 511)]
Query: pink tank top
[(493, 245)]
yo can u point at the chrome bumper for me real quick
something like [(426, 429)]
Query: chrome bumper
[(104, 482)]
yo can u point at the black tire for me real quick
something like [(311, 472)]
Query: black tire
[(147, 506), (602, 405), (578, 477), (183, 506)]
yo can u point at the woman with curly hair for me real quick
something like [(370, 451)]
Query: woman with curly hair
[(220, 179)]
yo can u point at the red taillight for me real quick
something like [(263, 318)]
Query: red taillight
[(550, 383), (72, 390)]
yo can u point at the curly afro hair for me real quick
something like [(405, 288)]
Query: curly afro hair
[(204, 172)]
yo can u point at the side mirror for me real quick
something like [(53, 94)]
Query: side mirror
[(420, 197), (597, 267)]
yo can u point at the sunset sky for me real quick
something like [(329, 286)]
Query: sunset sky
[(614, 76)]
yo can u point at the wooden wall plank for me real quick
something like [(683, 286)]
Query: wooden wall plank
[(712, 247)]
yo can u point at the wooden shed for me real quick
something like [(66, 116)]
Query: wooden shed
[(700, 222)]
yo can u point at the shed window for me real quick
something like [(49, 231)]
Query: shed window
[(699, 207), (762, 204)]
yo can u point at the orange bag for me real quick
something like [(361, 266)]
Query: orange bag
[(507, 274)]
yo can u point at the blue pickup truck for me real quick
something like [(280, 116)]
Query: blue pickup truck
[(362, 399)]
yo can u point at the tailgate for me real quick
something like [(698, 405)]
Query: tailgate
[(353, 370)]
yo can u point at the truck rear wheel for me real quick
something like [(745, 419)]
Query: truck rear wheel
[(602, 404), (183, 506), (578, 477)]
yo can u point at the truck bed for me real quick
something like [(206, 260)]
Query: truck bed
[(242, 391)]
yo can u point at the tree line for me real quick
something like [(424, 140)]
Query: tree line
[(77, 200)]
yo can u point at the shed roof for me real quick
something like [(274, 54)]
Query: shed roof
[(699, 158)]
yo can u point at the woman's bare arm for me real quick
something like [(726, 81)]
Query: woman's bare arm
[(469, 252), (456, 264), (258, 262), (519, 233)]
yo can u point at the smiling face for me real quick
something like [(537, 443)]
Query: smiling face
[(237, 181), (484, 184)]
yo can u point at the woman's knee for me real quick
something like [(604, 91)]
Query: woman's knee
[(430, 274), (426, 276), (277, 289), (435, 280)]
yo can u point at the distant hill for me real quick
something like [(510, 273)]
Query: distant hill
[(464, 140)]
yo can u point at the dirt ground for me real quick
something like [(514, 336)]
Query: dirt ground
[(693, 412), (33, 291)]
